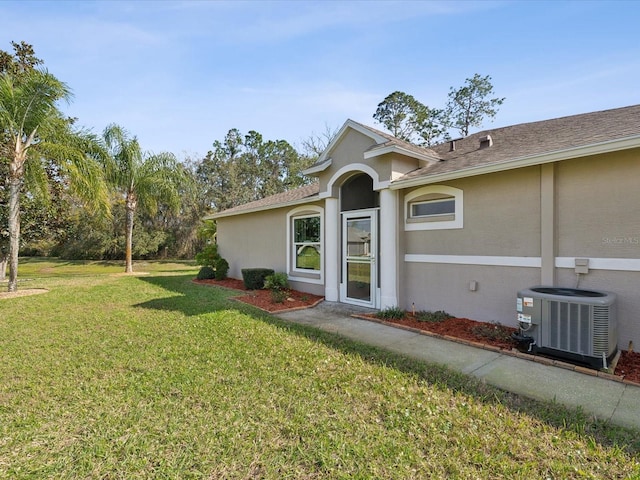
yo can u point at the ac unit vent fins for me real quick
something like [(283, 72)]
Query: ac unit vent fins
[(600, 330)]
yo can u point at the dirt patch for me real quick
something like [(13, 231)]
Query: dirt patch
[(294, 299), (22, 293)]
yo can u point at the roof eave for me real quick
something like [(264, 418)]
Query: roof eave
[(320, 167), (379, 151), (531, 160)]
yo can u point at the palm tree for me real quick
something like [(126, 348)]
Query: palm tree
[(142, 179), (33, 131)]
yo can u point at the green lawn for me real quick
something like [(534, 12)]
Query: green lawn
[(152, 376)]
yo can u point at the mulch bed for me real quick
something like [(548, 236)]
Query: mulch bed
[(262, 298), (463, 328), (628, 365)]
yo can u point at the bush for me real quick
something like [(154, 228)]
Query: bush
[(435, 317), (391, 313), (254, 277), (208, 256), (206, 273), (222, 268), (276, 281)]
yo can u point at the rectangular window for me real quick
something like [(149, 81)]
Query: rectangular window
[(431, 208), (306, 243)]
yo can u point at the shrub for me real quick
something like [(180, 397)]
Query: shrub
[(391, 313), (435, 317), (206, 273), (254, 277), (276, 281), (208, 256), (222, 268)]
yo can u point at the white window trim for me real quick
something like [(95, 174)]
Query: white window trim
[(316, 276), (431, 222)]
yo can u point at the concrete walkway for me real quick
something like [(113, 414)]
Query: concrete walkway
[(605, 398)]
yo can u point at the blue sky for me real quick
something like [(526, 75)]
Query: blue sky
[(179, 75)]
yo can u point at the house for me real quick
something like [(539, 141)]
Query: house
[(462, 226)]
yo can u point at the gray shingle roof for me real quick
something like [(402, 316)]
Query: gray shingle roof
[(536, 138), (509, 143), (305, 193)]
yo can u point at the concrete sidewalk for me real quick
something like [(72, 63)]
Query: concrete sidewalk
[(606, 399)]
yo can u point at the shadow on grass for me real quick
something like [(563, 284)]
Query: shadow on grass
[(194, 299)]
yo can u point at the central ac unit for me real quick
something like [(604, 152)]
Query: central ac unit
[(579, 325)]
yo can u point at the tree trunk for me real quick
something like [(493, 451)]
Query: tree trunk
[(3, 266), (130, 208), (14, 231)]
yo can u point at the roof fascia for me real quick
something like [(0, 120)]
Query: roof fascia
[(317, 168), (376, 152), (528, 161)]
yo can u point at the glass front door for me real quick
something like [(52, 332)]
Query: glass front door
[(359, 247)]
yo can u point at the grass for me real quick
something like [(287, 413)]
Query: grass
[(391, 313), (152, 376)]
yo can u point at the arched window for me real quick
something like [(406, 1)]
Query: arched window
[(434, 207)]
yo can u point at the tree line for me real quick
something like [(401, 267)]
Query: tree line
[(66, 191)]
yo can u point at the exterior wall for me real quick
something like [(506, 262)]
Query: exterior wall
[(501, 219), (401, 165), (598, 218), (598, 205), (253, 240), (446, 287), (257, 240)]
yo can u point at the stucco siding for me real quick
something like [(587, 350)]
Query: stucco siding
[(446, 287), (501, 218), (598, 206), (253, 240)]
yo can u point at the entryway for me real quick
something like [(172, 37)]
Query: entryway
[(359, 248)]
